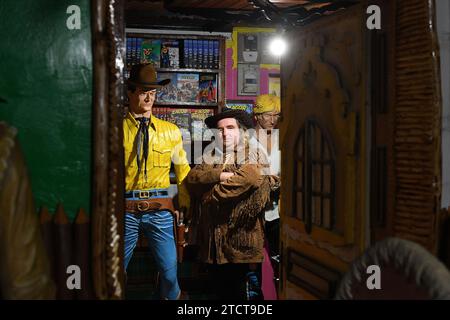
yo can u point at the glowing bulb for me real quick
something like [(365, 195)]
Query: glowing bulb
[(278, 46)]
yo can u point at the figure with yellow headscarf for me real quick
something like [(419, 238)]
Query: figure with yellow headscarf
[(266, 113)]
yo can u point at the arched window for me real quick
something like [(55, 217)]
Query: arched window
[(314, 177)]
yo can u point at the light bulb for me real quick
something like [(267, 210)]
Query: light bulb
[(278, 46)]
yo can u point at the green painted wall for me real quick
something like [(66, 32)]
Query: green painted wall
[(46, 78)]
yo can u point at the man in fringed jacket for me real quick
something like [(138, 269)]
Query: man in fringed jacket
[(231, 193)]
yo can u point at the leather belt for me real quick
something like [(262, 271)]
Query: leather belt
[(155, 204), (145, 194)]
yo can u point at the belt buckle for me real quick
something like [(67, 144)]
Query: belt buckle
[(144, 194), (143, 206)]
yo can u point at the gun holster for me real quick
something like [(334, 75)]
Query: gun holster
[(162, 204)]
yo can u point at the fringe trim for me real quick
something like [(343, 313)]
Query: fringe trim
[(7, 135)]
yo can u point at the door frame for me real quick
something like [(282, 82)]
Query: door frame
[(107, 205)]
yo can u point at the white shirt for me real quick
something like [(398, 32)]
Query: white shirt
[(274, 161)]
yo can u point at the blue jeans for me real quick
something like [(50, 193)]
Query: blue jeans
[(158, 228)]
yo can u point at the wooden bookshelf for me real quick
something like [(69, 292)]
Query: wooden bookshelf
[(188, 70), (163, 107), (182, 67)]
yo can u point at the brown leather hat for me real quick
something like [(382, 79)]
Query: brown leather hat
[(144, 76), (240, 115)]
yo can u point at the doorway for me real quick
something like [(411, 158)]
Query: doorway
[(335, 154)]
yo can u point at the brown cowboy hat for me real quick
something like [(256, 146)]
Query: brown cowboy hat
[(240, 115), (144, 76)]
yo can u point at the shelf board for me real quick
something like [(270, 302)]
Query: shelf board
[(190, 104), (188, 70)]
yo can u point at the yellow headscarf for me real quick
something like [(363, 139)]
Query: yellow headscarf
[(267, 103)]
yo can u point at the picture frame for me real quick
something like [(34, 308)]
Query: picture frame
[(248, 48), (248, 79), (266, 56), (275, 84)]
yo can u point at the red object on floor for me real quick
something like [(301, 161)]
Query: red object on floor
[(268, 285)]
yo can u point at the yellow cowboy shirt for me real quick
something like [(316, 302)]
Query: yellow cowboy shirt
[(165, 147)]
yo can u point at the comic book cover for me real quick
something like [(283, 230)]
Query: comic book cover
[(240, 105), (170, 55), (151, 51), (181, 117), (187, 84), (168, 93), (198, 125), (207, 88)]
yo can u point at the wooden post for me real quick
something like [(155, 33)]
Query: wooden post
[(82, 254), (64, 257)]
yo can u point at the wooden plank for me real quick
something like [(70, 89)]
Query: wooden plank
[(64, 251), (82, 254)]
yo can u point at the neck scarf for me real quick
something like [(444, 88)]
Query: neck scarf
[(142, 140)]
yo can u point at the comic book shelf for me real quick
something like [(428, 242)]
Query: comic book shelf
[(195, 64)]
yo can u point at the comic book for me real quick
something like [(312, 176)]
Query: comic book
[(195, 54), (170, 54), (129, 47), (181, 117), (199, 54), (207, 88), (240, 105), (189, 54), (186, 48), (151, 51), (168, 93), (205, 54), (216, 56), (187, 84), (138, 50), (210, 54)]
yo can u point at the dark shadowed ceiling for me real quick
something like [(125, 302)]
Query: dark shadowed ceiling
[(221, 15)]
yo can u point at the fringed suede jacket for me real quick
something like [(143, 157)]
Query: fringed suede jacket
[(227, 221)]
